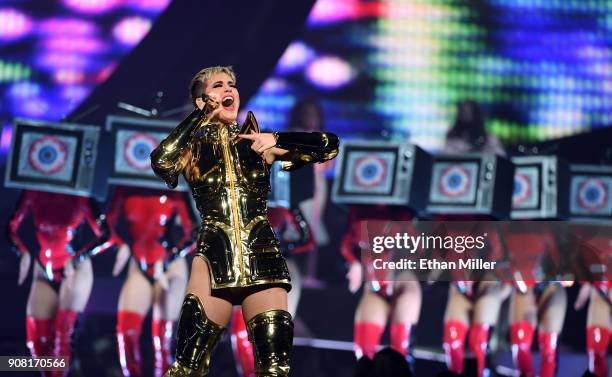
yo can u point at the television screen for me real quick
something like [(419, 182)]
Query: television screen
[(590, 189), (526, 193), (133, 141), (540, 188), (471, 184), (55, 157), (381, 173), (454, 182)]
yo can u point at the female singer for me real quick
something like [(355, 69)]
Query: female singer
[(238, 259)]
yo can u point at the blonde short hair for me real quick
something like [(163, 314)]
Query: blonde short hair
[(200, 80)]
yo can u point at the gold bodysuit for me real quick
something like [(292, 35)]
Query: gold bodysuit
[(230, 184)]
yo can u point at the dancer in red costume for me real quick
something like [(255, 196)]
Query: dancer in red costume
[(63, 277), (595, 251), (383, 297), (296, 237), (472, 307), (157, 276), (599, 324), (534, 302), (474, 302)]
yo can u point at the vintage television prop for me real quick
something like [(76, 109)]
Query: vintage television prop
[(540, 188), (54, 157), (288, 189), (369, 172), (471, 184), (590, 190), (133, 139)]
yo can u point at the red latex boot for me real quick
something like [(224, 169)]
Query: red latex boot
[(454, 344), (162, 331), (401, 341), (478, 341), (400, 337), (129, 326), (548, 353), (242, 347), (367, 338), (64, 326), (598, 341), (39, 335), (521, 337)]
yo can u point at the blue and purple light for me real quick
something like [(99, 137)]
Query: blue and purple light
[(541, 69), (13, 24), (48, 65)]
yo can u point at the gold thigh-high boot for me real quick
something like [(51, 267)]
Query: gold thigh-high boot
[(271, 333), (196, 339)]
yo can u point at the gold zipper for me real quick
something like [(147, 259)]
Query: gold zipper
[(229, 171)]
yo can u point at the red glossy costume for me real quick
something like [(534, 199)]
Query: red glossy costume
[(279, 219), (531, 249), (456, 332), (56, 219), (367, 334), (593, 259), (148, 213), (598, 342)]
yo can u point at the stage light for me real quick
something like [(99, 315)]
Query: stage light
[(328, 11), (66, 76), (13, 24), (131, 30), (329, 72), (150, 5), (24, 90), (295, 57), (13, 71), (33, 107), (60, 60), (274, 85), (75, 93), (84, 45), (69, 27), (91, 6), (52, 58)]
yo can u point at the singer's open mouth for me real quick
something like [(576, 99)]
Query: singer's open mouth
[(227, 101)]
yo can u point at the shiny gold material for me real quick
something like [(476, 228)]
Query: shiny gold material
[(230, 183), (306, 147), (231, 178), (196, 339), (271, 333)]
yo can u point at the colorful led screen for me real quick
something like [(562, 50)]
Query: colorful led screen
[(54, 52), (394, 69)]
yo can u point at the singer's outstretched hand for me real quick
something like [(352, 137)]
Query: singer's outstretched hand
[(261, 141)]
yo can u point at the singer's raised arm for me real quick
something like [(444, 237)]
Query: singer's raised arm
[(172, 154)]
